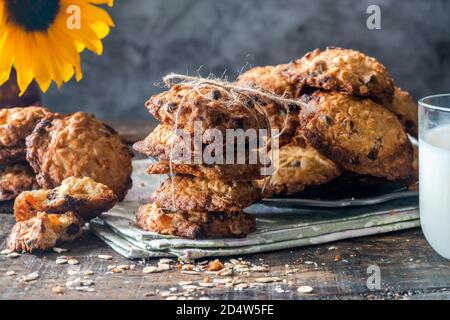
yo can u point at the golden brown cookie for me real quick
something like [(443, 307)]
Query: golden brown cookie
[(348, 71), (79, 145), (160, 144), (209, 107), (15, 125), (273, 79), (12, 155), (194, 225), (196, 194), (358, 134), (226, 172), (15, 179), (44, 231), (83, 196), (406, 109), (299, 166)]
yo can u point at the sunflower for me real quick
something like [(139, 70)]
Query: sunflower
[(39, 39)]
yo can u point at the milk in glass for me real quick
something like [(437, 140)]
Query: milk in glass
[(434, 159)]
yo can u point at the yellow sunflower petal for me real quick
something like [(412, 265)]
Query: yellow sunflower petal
[(108, 2), (53, 54), (23, 61)]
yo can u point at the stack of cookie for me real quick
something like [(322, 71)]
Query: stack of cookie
[(200, 198), (353, 119), (15, 173)]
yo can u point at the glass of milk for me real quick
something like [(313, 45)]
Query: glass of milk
[(434, 166)]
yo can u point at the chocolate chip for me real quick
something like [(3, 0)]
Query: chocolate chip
[(327, 120), (52, 195), (296, 163), (249, 103), (73, 229), (171, 107), (373, 153), (216, 95)]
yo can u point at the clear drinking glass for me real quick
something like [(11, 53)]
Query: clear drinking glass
[(434, 167)]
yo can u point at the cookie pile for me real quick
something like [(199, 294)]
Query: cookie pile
[(199, 200), (353, 119), (15, 173), (41, 148)]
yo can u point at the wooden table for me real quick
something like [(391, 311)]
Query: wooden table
[(410, 269)]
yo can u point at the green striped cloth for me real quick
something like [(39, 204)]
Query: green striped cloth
[(277, 228)]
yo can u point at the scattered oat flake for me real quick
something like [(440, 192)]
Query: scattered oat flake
[(172, 298), (31, 277), (166, 261), (73, 261), (123, 267), (207, 284), (267, 280), (72, 272), (185, 283), (222, 281), (58, 290), (10, 273), (87, 283), (190, 287), (165, 294), (279, 290), (61, 261), (60, 250), (150, 294), (259, 269), (225, 272), (85, 289), (88, 273), (151, 269), (13, 255), (5, 252), (190, 272), (332, 248), (241, 286), (305, 289), (163, 267), (105, 257)]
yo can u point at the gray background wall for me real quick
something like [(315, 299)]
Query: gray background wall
[(155, 37)]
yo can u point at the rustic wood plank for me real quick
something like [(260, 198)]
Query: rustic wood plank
[(409, 269)]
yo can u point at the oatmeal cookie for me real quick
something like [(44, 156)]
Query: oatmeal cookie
[(15, 125), (299, 166), (15, 179), (194, 225), (406, 109), (226, 172), (348, 71), (358, 134), (196, 194), (79, 145), (44, 231), (83, 196), (273, 79), (12, 155), (209, 107), (160, 144)]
